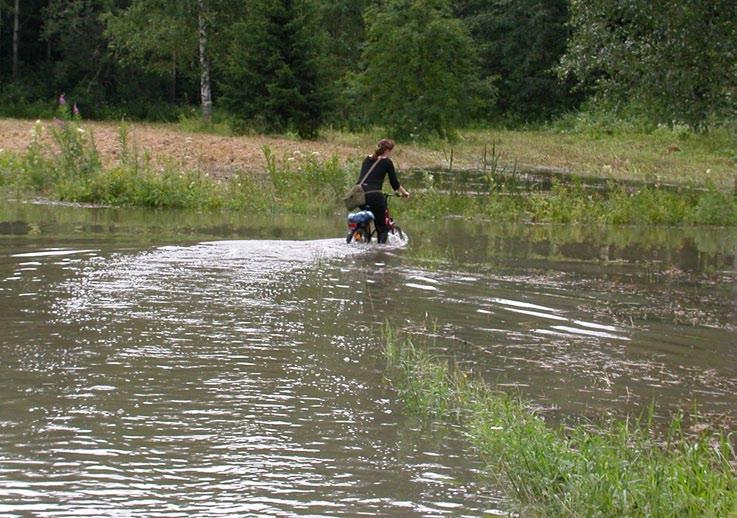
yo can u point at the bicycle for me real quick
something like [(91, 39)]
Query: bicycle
[(361, 226)]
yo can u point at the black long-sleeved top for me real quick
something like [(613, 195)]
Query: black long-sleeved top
[(375, 180)]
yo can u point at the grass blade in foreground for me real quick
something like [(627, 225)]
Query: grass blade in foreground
[(613, 469)]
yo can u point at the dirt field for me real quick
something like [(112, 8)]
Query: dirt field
[(651, 158), (218, 155)]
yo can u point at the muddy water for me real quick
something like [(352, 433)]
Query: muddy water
[(174, 364)]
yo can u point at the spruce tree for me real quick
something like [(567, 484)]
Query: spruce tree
[(271, 71)]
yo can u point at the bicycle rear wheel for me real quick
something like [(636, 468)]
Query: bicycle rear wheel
[(361, 235)]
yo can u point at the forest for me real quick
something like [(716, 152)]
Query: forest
[(418, 68)]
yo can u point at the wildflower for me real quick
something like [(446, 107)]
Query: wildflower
[(75, 110), (62, 100)]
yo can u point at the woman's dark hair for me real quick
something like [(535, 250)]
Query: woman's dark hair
[(382, 147)]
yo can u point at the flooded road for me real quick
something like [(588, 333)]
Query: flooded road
[(160, 364)]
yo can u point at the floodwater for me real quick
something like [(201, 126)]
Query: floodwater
[(167, 364)]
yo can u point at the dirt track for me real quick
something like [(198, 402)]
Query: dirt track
[(220, 156)]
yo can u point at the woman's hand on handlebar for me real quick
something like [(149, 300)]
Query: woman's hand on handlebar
[(404, 193)]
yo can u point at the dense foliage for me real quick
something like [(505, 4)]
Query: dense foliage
[(419, 68), (521, 42), (663, 60)]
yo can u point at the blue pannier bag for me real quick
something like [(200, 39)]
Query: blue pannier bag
[(361, 217)]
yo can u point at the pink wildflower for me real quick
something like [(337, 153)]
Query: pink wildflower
[(62, 100), (75, 110)]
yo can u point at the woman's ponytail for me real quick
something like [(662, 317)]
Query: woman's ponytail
[(382, 147)]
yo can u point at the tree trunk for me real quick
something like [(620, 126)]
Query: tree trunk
[(16, 29), (174, 77), (205, 87), (49, 45)]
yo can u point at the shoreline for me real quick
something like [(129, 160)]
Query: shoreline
[(64, 162)]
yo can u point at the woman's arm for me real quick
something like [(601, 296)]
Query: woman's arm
[(392, 174), (394, 181)]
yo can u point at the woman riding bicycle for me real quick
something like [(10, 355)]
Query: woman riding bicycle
[(373, 184)]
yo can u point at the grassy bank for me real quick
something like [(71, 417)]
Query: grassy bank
[(611, 469), (583, 145), (63, 162), (585, 148), (67, 166)]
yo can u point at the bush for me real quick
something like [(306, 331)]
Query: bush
[(77, 158), (22, 101), (714, 207), (422, 47)]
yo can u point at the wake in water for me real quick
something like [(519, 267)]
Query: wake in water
[(211, 377), (393, 242)]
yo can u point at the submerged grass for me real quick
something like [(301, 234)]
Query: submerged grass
[(71, 170), (571, 203), (618, 468)]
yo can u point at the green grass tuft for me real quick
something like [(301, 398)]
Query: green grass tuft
[(618, 468)]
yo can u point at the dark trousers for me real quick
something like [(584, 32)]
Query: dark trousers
[(376, 203)]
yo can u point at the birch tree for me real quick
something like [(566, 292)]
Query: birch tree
[(205, 86)]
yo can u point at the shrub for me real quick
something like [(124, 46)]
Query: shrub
[(714, 207), (421, 46)]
